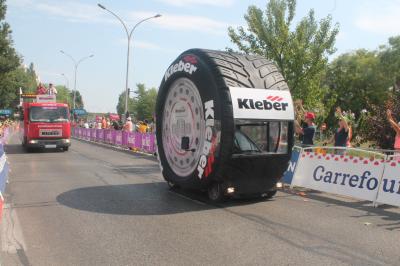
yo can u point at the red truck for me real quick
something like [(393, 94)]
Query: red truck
[(46, 124)]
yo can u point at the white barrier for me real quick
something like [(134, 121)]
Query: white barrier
[(389, 190), (373, 176), (347, 175)]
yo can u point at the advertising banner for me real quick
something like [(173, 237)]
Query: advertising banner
[(125, 138), (288, 175), (138, 140), (113, 134), (389, 191), (107, 136), (100, 137), (261, 104), (355, 177), (118, 138), (131, 139), (92, 134)]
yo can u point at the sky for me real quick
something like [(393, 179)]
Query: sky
[(41, 28)]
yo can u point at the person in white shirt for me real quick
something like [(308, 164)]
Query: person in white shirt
[(52, 90)]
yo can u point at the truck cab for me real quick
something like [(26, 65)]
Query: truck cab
[(46, 124)]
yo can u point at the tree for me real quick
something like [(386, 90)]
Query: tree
[(142, 105), (301, 54), (389, 56), (145, 102), (78, 99), (358, 79), (9, 62), (121, 105), (376, 127)]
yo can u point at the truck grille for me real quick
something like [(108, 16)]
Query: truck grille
[(50, 133)]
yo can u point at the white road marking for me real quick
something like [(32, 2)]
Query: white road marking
[(12, 238)]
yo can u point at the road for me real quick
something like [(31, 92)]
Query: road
[(97, 206)]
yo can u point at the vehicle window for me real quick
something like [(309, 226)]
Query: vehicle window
[(244, 144), (261, 136), (48, 114)]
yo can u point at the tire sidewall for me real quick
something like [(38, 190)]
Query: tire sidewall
[(203, 79)]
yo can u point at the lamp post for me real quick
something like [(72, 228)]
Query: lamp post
[(129, 36), (76, 64), (66, 85), (66, 80)]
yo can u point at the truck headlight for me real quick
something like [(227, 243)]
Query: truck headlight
[(33, 141), (66, 140)]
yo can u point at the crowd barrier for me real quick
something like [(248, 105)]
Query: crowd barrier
[(357, 173), (4, 167), (144, 142)]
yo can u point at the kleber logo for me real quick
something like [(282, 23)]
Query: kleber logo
[(187, 64), (272, 102), (274, 98), (207, 155)]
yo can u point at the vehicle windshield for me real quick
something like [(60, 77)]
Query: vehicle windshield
[(48, 114), (260, 137)]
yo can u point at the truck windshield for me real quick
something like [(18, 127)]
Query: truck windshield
[(261, 137), (48, 114)]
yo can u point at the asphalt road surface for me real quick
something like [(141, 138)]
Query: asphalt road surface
[(97, 206)]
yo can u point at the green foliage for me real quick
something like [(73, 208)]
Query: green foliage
[(301, 54), (365, 80), (121, 105), (376, 126), (64, 95), (9, 62), (358, 79), (142, 105)]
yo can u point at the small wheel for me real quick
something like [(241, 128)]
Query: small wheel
[(269, 194), (65, 148), (216, 192), (172, 185)]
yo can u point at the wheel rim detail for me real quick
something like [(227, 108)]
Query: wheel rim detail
[(183, 116)]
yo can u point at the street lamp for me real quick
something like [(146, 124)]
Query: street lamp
[(76, 64), (66, 80), (129, 35)]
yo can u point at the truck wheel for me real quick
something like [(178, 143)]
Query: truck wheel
[(216, 192), (270, 194), (194, 102)]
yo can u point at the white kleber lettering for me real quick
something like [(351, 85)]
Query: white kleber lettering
[(180, 67), (208, 134)]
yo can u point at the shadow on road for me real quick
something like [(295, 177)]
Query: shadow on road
[(142, 199), (386, 212), (18, 149), (131, 199)]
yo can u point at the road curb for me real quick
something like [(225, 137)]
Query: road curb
[(120, 149)]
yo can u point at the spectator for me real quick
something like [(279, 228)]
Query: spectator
[(103, 123), (108, 123), (307, 131), (41, 89), (341, 135), (86, 125), (52, 90), (128, 125), (142, 128), (396, 127), (115, 125)]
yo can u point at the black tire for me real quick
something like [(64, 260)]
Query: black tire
[(270, 194), (216, 192), (172, 185), (65, 148), (210, 73)]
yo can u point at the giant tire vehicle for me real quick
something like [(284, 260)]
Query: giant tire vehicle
[(194, 101)]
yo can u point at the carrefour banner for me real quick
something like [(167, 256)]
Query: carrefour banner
[(346, 175), (389, 191)]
